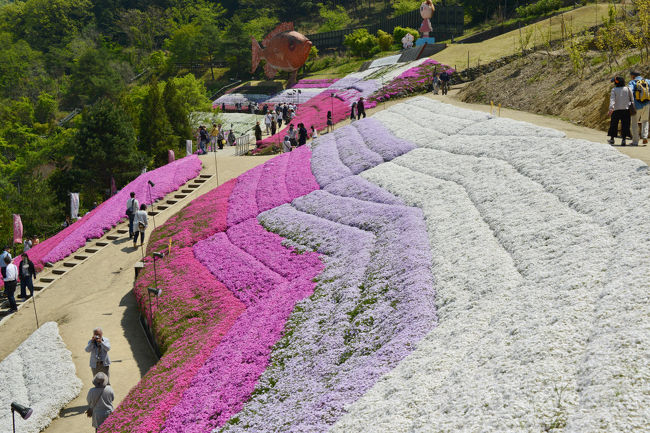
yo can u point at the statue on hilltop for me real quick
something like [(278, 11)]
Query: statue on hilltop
[(426, 12)]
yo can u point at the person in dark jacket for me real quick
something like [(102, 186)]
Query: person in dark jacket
[(302, 134), (27, 274), (353, 112), (258, 134), (361, 109)]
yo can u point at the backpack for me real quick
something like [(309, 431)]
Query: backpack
[(642, 91)]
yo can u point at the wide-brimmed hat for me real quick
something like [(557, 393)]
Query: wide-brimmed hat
[(100, 380)]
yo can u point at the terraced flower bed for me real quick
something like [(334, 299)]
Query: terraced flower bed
[(428, 266), (108, 214)]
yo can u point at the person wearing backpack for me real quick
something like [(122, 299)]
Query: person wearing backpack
[(640, 88), (132, 206), (620, 100)]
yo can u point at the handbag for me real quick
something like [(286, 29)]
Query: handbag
[(89, 411), (632, 110)]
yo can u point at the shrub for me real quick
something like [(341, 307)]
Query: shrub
[(400, 32), (385, 40), (539, 8), (362, 43)]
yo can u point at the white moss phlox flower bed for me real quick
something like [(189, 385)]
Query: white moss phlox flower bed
[(39, 374)]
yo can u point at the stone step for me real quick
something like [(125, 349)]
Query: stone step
[(180, 195), (59, 271), (172, 201), (112, 237), (186, 191), (101, 243), (70, 264), (152, 213), (161, 207), (200, 180), (49, 265), (91, 250), (38, 287), (46, 279), (193, 185), (122, 231), (80, 257), (205, 176)]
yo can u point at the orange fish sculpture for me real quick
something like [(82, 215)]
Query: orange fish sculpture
[(284, 50)]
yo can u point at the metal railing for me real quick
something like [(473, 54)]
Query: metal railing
[(242, 144)]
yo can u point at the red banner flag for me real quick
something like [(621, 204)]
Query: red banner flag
[(18, 229)]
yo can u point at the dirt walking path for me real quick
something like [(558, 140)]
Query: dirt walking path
[(97, 293)]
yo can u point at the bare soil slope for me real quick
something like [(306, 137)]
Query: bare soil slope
[(545, 83)]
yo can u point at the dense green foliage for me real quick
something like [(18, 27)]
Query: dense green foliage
[(539, 8), (400, 32)]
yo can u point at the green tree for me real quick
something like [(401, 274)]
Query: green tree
[(20, 67), (192, 93), (187, 44), (49, 23), (95, 76), (155, 130), (105, 146), (362, 43), (46, 108), (177, 114), (335, 18), (403, 6)]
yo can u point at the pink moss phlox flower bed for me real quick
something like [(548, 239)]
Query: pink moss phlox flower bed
[(413, 80), (313, 113), (309, 83), (201, 218), (192, 316), (220, 325), (108, 214)]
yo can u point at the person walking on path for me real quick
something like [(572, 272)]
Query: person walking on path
[(302, 134), (100, 400), (27, 244), (221, 139), (132, 206), (640, 88), (436, 84), (274, 122), (140, 223), (98, 347), (444, 81), (280, 118), (353, 112), (620, 101), (361, 109), (267, 123), (232, 140), (292, 133), (314, 133), (3, 265), (213, 137), (330, 124), (27, 276), (258, 134), (10, 276)]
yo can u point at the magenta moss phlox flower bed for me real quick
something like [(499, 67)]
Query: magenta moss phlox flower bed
[(192, 316), (107, 215), (413, 80), (309, 83)]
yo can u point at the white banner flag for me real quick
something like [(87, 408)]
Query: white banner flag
[(188, 147), (74, 205)]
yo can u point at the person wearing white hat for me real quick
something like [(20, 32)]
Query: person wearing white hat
[(100, 400)]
